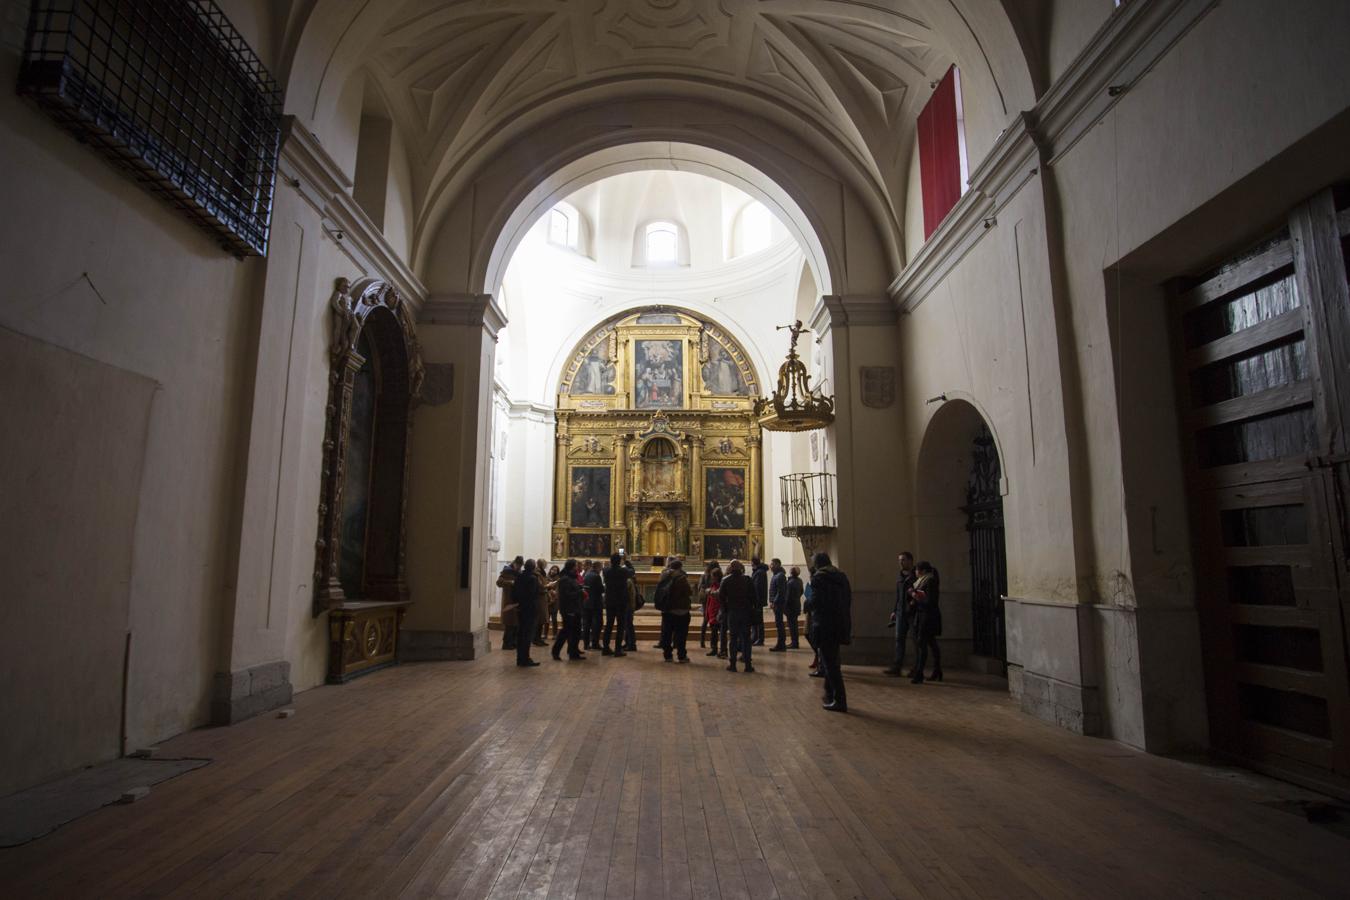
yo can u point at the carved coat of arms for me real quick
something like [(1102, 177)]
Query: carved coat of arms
[(878, 386)]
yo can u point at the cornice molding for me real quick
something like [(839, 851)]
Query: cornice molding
[(357, 236), (851, 310), (306, 166), (1124, 49), (531, 412), (464, 309), (1127, 46)]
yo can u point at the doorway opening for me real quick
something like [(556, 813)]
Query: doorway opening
[(959, 516)]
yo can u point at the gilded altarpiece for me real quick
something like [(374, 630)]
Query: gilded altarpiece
[(658, 445)]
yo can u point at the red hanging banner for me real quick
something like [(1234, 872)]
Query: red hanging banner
[(939, 154)]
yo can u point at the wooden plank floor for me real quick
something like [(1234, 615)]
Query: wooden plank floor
[(636, 778)]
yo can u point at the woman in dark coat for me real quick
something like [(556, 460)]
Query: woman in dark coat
[(927, 620), (569, 604), (739, 606)]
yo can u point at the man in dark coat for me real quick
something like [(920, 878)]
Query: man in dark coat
[(594, 606), (569, 604), (678, 606), (778, 600), (524, 593), (510, 623), (759, 575), (902, 614), (927, 620), (792, 605), (739, 607), (629, 640), (832, 620), (617, 610)]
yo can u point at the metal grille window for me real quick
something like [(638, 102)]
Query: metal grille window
[(169, 91)]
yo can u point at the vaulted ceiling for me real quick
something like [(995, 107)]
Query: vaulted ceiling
[(456, 74), (455, 70)]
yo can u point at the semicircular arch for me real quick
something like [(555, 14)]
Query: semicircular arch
[(563, 368)]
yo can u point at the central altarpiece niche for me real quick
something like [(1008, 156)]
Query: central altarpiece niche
[(658, 444)]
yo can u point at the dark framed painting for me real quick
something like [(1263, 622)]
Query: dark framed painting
[(724, 546), (724, 497), (658, 374), (356, 480), (590, 496), (588, 546)]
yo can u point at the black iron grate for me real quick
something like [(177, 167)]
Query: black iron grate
[(169, 91)]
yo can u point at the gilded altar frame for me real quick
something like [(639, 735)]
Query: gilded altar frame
[(659, 457), (364, 617)]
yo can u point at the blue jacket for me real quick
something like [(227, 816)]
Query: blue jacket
[(778, 588)]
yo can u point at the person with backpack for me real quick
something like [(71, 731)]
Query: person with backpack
[(677, 611), (832, 621), (660, 596)]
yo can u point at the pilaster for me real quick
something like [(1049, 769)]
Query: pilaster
[(448, 560)]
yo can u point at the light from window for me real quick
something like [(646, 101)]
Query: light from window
[(663, 243), (564, 226), (756, 228), (557, 227)]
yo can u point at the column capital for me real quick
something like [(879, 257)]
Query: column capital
[(464, 309), (844, 310)]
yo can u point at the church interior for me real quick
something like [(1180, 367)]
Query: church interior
[(323, 311)]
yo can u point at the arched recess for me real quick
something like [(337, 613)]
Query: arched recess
[(526, 207), (958, 495), (375, 377)]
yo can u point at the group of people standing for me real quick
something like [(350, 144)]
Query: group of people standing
[(916, 611), (733, 610)]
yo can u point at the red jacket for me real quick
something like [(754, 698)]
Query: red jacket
[(712, 607)]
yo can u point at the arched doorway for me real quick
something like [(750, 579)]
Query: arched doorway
[(960, 529)]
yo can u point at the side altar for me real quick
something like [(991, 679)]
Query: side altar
[(658, 444)]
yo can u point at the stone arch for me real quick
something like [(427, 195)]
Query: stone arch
[(586, 337), (499, 220), (943, 474)]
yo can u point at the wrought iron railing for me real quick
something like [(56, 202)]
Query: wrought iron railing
[(808, 501), (170, 92)]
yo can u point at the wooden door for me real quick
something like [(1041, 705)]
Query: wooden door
[(1264, 376)]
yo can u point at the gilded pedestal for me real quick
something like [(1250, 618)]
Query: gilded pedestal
[(362, 637)]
